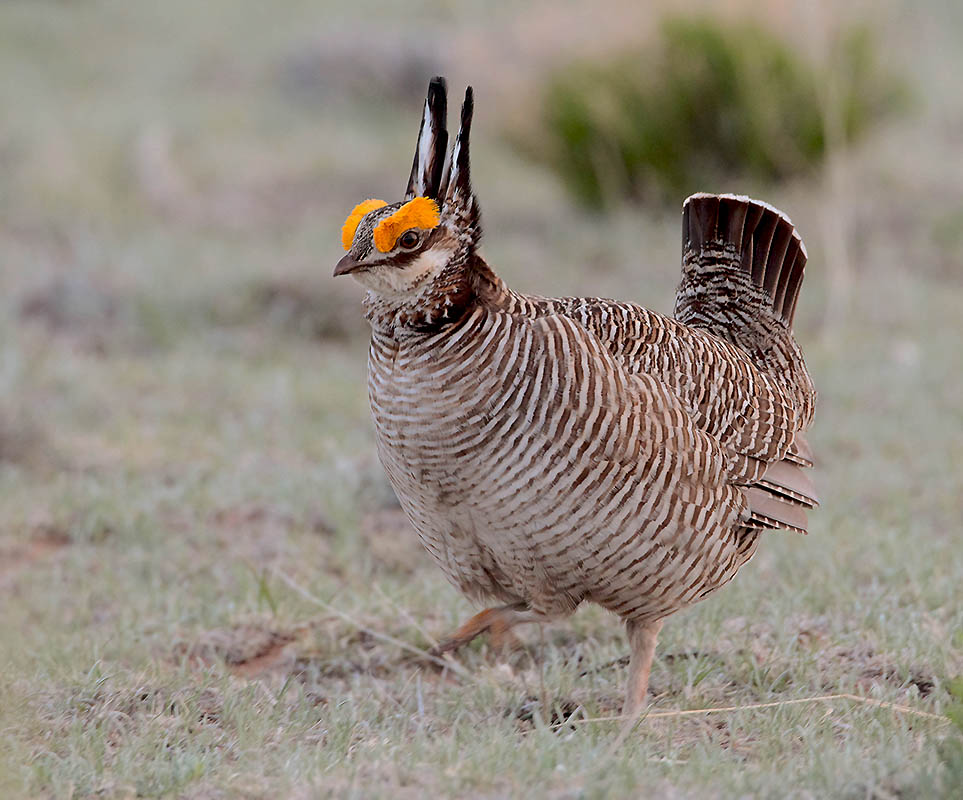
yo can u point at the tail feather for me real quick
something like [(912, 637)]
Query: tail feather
[(789, 481), (800, 452), (741, 258), (773, 511), (742, 269)]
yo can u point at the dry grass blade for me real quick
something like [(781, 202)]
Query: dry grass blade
[(686, 712), (631, 722), (444, 663), (410, 619)]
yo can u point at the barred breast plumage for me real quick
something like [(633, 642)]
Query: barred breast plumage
[(554, 451)]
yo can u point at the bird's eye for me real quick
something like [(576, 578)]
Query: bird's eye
[(409, 240)]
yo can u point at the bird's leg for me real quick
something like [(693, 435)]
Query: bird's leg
[(642, 636), (498, 622)]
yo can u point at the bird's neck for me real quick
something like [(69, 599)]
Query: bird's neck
[(441, 302)]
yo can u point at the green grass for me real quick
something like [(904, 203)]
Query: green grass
[(205, 588)]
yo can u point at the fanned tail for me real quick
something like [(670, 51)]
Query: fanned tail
[(742, 269), (739, 255)]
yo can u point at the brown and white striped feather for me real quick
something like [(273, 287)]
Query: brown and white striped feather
[(537, 467), (551, 451)]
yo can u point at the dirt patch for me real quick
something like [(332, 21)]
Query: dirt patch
[(873, 668), (42, 543), (254, 515), (861, 663), (206, 705), (249, 650), (335, 656), (78, 308), (271, 659), (561, 713), (319, 654), (115, 713), (622, 662), (22, 440), (261, 534)]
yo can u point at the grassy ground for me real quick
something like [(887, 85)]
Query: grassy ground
[(206, 589)]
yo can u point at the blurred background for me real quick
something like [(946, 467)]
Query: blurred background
[(182, 383)]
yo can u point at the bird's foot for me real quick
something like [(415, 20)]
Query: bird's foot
[(497, 622)]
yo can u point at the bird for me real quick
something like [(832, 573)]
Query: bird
[(551, 452)]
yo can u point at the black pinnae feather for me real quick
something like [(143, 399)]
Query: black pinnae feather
[(438, 100), (426, 167), (458, 183)]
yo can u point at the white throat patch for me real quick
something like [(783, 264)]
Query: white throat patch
[(390, 280)]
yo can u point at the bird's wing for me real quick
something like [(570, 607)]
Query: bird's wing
[(633, 420), (629, 502), (751, 416)]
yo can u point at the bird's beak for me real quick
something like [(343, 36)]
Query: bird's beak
[(346, 265)]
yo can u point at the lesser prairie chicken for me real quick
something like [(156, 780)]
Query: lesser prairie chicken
[(550, 452)]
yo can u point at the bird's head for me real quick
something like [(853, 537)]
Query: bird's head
[(417, 251)]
